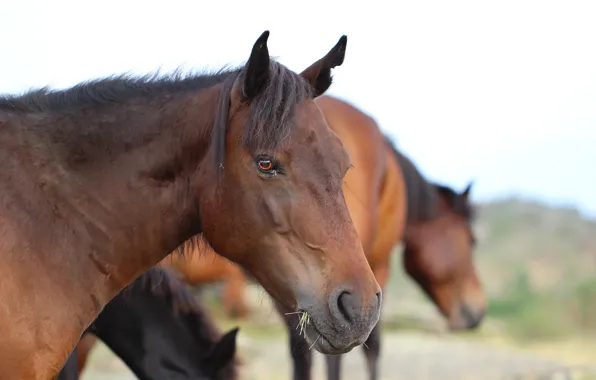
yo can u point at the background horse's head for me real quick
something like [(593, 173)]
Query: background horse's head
[(277, 207), (160, 331), (439, 257)]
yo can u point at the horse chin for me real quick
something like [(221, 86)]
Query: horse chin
[(328, 343), (465, 318), (322, 339)]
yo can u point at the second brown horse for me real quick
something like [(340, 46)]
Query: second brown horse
[(389, 201)]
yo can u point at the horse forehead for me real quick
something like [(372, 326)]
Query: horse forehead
[(314, 134), (454, 230), (310, 120)]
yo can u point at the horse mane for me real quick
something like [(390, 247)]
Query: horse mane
[(423, 196), (112, 90), (165, 283)]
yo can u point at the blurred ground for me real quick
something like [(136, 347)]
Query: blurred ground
[(414, 348), (408, 356)]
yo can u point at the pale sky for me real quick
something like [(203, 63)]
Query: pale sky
[(502, 92)]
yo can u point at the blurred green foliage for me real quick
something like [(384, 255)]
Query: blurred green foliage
[(540, 262)]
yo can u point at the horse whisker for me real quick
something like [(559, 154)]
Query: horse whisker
[(313, 343)]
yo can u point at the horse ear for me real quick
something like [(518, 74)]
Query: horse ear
[(224, 350), (319, 73), (466, 192), (257, 68)]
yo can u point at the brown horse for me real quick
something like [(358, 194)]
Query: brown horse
[(434, 227), (100, 182), (433, 222)]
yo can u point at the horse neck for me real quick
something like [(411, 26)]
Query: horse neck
[(126, 181)]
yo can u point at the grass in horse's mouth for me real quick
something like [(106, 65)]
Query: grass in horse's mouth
[(302, 323), (304, 320)]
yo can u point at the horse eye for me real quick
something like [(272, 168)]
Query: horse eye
[(268, 167), (265, 165)]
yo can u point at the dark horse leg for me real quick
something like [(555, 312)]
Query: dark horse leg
[(372, 351), (371, 348), (301, 354), (70, 371), (333, 366)]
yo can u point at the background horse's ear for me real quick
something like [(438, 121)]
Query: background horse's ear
[(257, 68), (224, 351), (319, 73), (466, 192)]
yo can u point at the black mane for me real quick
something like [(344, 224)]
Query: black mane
[(112, 90), (423, 196), (165, 283)]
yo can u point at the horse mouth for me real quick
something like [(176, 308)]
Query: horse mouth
[(322, 343)]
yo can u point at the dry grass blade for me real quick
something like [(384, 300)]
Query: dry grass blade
[(302, 322)]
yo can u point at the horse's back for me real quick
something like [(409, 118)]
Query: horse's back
[(392, 212), (364, 142)]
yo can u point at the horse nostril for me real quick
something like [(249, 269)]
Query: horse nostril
[(379, 299), (348, 306)]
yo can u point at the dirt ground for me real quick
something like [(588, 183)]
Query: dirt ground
[(406, 355), (422, 353)]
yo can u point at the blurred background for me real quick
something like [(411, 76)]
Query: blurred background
[(502, 93)]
